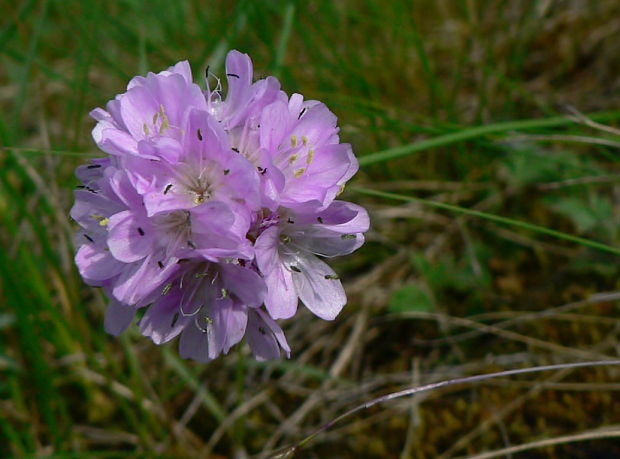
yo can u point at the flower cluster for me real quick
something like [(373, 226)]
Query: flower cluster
[(212, 212)]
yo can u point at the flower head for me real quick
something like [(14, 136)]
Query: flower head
[(213, 213)]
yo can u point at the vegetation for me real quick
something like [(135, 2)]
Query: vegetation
[(489, 163)]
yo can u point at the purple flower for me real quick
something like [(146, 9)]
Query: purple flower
[(287, 252), (214, 213)]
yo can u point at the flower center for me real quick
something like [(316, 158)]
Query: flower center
[(197, 181)]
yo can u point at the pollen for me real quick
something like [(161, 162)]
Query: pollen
[(103, 221), (294, 140), (200, 198)]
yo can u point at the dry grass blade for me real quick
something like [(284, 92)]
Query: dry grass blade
[(603, 432)]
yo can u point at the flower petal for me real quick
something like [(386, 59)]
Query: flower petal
[(195, 344), (96, 264), (164, 320), (245, 283), (281, 299), (118, 317), (265, 336), (131, 236), (318, 287)]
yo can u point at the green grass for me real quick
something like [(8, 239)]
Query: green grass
[(489, 204)]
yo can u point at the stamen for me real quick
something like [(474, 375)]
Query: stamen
[(310, 156), (331, 276), (165, 124), (300, 171), (285, 239), (207, 319), (294, 140), (103, 221), (166, 289), (304, 140), (146, 129), (292, 158), (348, 236)]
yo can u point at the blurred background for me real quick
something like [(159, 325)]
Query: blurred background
[(505, 108)]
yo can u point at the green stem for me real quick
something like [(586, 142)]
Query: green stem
[(478, 131), (492, 217)]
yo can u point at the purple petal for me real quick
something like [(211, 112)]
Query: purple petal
[(182, 68), (164, 320), (229, 322), (320, 179), (89, 206), (114, 141), (318, 125), (131, 237), (281, 299), (245, 283), (216, 232), (118, 317), (195, 344), (239, 75), (275, 124), (318, 287), (120, 184), (96, 264), (332, 232), (139, 279), (265, 336)]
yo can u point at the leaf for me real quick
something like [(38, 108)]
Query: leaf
[(411, 297)]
